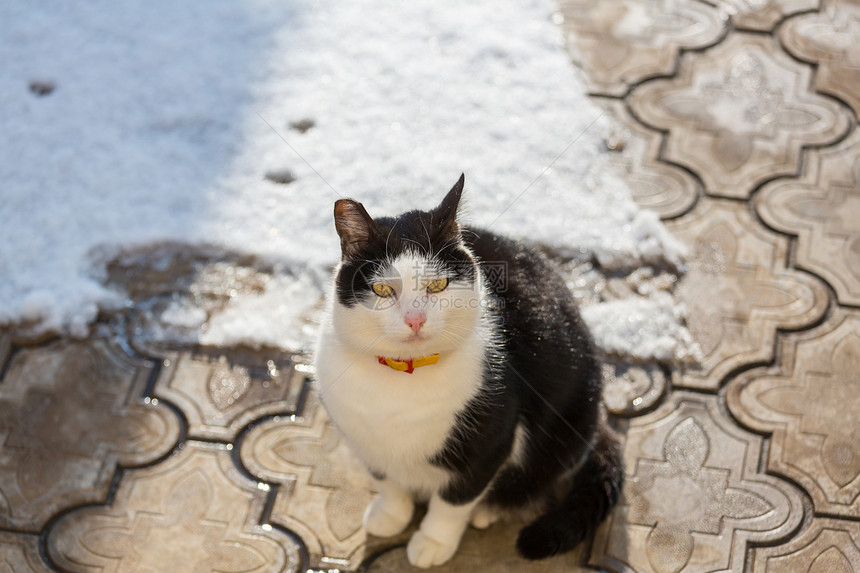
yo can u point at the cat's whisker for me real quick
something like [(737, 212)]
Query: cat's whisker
[(427, 233), (420, 246), (454, 340), (387, 237), (444, 246)]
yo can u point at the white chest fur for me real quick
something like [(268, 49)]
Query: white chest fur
[(394, 421)]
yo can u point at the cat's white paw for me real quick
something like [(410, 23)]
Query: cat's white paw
[(424, 551), (483, 516), (386, 519)]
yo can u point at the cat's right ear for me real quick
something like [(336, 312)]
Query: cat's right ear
[(354, 226), (447, 210)]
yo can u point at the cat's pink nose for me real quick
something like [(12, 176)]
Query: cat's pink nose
[(415, 319)]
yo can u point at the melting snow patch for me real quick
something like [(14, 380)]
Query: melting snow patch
[(645, 328), (285, 315), (165, 132)]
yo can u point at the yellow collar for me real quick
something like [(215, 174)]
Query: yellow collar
[(408, 366)]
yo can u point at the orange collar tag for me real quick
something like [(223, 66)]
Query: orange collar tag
[(408, 366)]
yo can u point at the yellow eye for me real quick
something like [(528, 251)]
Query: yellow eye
[(382, 289), (438, 285)]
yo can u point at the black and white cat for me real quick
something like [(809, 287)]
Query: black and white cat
[(456, 365)]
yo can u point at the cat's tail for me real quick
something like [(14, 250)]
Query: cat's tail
[(594, 491)]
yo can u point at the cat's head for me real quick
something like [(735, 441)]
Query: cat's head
[(406, 286)]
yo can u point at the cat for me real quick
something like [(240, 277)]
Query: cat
[(456, 366)]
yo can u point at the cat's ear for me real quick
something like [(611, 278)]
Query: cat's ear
[(354, 226), (447, 210)]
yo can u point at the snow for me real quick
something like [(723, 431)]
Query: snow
[(165, 117), (647, 328), (285, 315)]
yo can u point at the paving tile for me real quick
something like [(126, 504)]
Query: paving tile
[(666, 189), (629, 389), (70, 412), (325, 488), (210, 275), (810, 403), (692, 500), (739, 114), (621, 42), (829, 38), (738, 291), (763, 15), (220, 391), (194, 512), (20, 554), (826, 546), (822, 208), (488, 550)]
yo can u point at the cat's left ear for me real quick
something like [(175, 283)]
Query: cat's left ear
[(354, 226), (447, 210)]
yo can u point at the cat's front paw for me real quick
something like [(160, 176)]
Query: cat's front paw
[(382, 518), (424, 551)]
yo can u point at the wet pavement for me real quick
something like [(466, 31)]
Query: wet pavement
[(738, 125)]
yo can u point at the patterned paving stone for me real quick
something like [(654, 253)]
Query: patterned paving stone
[(829, 38), (20, 554), (221, 391), (738, 291), (325, 488), (826, 546), (488, 550), (630, 389), (666, 189), (822, 209), (692, 498), (70, 412), (763, 14), (810, 403), (621, 42), (739, 114), (194, 512)]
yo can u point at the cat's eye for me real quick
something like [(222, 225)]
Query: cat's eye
[(437, 285), (382, 289)]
